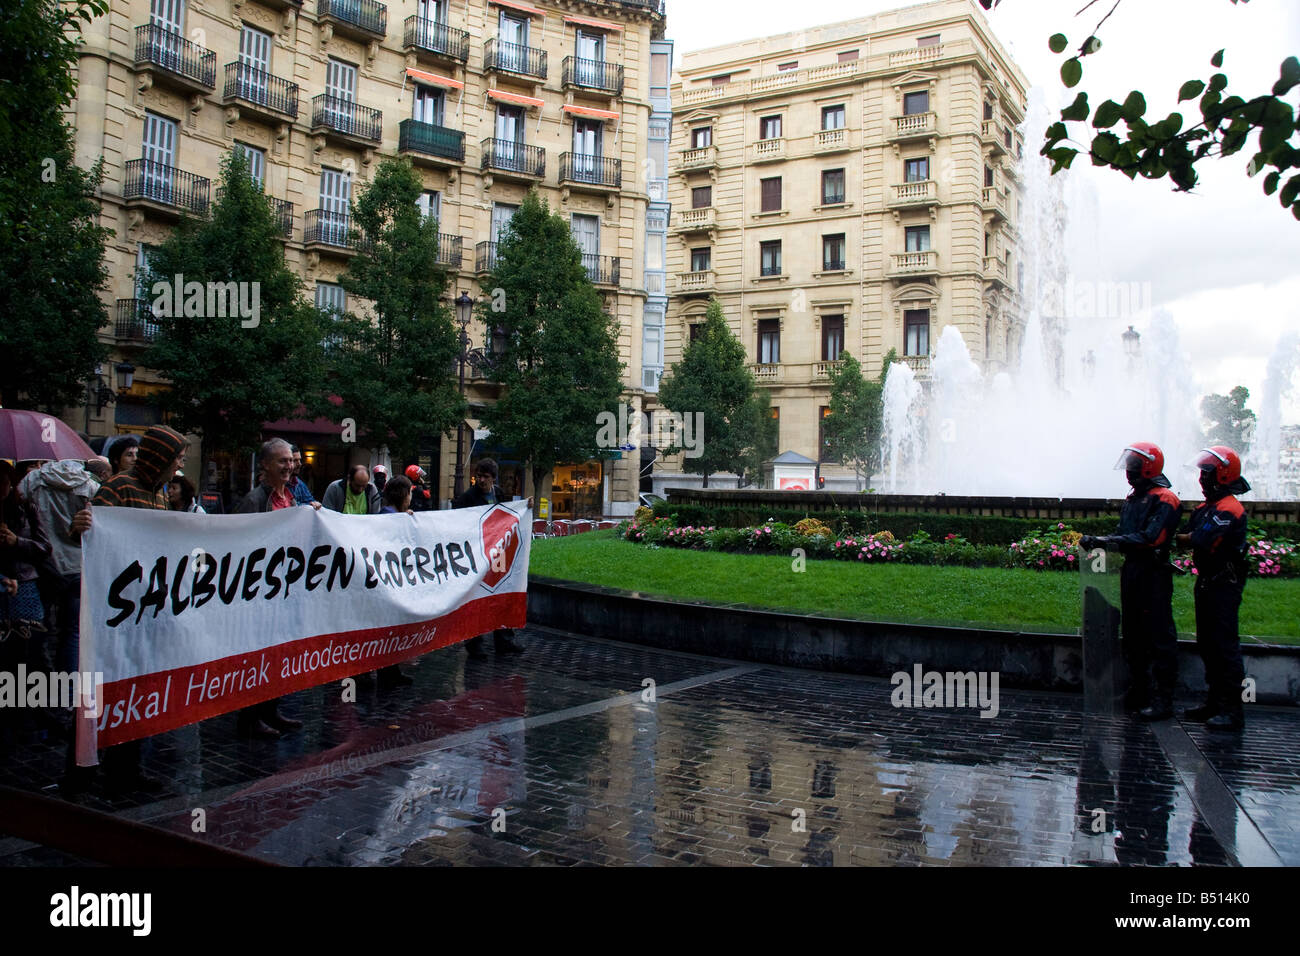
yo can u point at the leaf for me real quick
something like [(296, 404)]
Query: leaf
[(1289, 192), (1078, 110), (1190, 90), (1107, 115), (1218, 82), (1104, 148), (1062, 158), (1134, 106), (1216, 61), (1071, 72), (1270, 183), (1091, 45), (1055, 133), (1057, 42), (1290, 76)]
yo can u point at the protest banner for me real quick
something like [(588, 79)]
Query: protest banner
[(191, 616)]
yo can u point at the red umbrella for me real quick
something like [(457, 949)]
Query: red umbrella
[(27, 435)]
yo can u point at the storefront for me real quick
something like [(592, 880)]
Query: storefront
[(578, 491)]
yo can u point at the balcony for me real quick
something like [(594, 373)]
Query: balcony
[(922, 193), (329, 231), (994, 201), (514, 160), (485, 257), (914, 263), (822, 370), (429, 144), (135, 322), (831, 141), (703, 280), (345, 120), (165, 189), (991, 138), (281, 209), (769, 150), (513, 58), (919, 54), (766, 373), (594, 173), (434, 40), (696, 160), (603, 270), (919, 364), (258, 92), (592, 75), (364, 19), (174, 60), (995, 271), (696, 220), (451, 250), (914, 126)]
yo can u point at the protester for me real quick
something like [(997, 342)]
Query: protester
[(182, 495), (301, 493), (1217, 535), (482, 491), (353, 495), (421, 497), (397, 496), (1146, 533), (122, 453), (24, 553), (379, 475), (100, 468)]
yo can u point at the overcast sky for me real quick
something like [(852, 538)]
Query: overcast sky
[(1224, 260)]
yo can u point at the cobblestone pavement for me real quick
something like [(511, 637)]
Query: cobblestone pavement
[(559, 757)]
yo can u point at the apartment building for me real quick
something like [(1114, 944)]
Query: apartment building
[(487, 98), (849, 188)]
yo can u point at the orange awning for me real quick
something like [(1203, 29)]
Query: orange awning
[(588, 111), (590, 22), (515, 98), (437, 80), (523, 7)]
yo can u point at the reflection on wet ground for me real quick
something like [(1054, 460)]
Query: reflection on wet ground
[(583, 751)]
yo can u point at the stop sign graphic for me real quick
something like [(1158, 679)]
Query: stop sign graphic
[(499, 529)]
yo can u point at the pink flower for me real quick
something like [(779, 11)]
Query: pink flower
[(1070, 558)]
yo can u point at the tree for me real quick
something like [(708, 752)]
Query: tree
[(1227, 418), (712, 381), (557, 364), (393, 365), (1164, 147), (855, 425), (236, 342), (51, 246)]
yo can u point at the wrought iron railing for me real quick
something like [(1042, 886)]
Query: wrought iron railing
[(603, 270), (329, 227), (431, 140), (593, 74), (135, 321), (594, 170), (509, 156), (485, 257), (256, 86), (450, 250), (366, 14), (513, 58), (347, 117), (175, 54), (436, 37), (167, 185)]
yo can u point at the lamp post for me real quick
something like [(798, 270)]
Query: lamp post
[(464, 309), (1132, 342), (98, 392)]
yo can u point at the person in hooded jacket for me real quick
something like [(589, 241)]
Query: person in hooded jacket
[(1216, 533), (24, 556), (1147, 523)]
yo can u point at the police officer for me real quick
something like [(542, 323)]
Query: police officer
[(421, 497), (1147, 524), (1216, 534)]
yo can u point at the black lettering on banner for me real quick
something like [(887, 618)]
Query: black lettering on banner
[(377, 562), (297, 564), (421, 559), (394, 568), (124, 606), (227, 591), (371, 581), (155, 595), (272, 579), (407, 568), (341, 567), (469, 553), (252, 575), (439, 562), (177, 604), (316, 565), (203, 590), (454, 554)]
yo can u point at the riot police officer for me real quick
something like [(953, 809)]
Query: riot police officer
[(1217, 535), (1147, 523)]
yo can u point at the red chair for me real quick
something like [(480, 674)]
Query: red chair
[(560, 528)]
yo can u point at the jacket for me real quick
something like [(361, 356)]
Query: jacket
[(1147, 523), (473, 497), (301, 493), (30, 554), (57, 491), (336, 497), (259, 500), (142, 486), (1218, 538)]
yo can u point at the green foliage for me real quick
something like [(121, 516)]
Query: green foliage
[(392, 365), (51, 244), (227, 379), (712, 379), (560, 368), (1165, 148), (854, 427), (1227, 418)]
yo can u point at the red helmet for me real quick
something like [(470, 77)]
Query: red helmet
[(1223, 460), (1144, 457), (415, 473)]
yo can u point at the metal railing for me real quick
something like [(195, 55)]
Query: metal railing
[(450, 250), (603, 270), (485, 257), (256, 86), (166, 185), (431, 140), (135, 321), (347, 117), (592, 74), (593, 170), (281, 209), (175, 54), (365, 14), (513, 58), (509, 156), (328, 227), (436, 37)]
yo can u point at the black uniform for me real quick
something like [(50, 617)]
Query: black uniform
[(1218, 538)]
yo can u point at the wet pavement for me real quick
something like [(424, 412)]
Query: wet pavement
[(569, 755)]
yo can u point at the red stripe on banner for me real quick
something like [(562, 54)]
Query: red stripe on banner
[(150, 704)]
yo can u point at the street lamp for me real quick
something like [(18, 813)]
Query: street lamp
[(464, 309), (98, 392), (1132, 342)]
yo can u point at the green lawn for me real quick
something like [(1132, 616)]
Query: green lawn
[(984, 597)]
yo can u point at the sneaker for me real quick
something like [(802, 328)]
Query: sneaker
[(1228, 722), (1158, 709)]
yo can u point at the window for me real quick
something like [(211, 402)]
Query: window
[(988, 176), (833, 253), (256, 159), (158, 149), (787, 67), (833, 117), (847, 56), (824, 453), (701, 260), (769, 254), (918, 102), (652, 345), (695, 330), (916, 332), (770, 190), (701, 136), (769, 341), (924, 43), (143, 254), (501, 216), (331, 298), (832, 187), (430, 203), (769, 127), (427, 105), (254, 64), (916, 170), (335, 201), (917, 239), (832, 337), (987, 239), (988, 110), (701, 197), (659, 70), (585, 230), (722, 79)]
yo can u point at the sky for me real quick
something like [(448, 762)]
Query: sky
[(1224, 260)]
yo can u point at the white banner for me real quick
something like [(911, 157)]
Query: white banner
[(190, 616)]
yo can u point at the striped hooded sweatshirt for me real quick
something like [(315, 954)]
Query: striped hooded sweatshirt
[(141, 487)]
